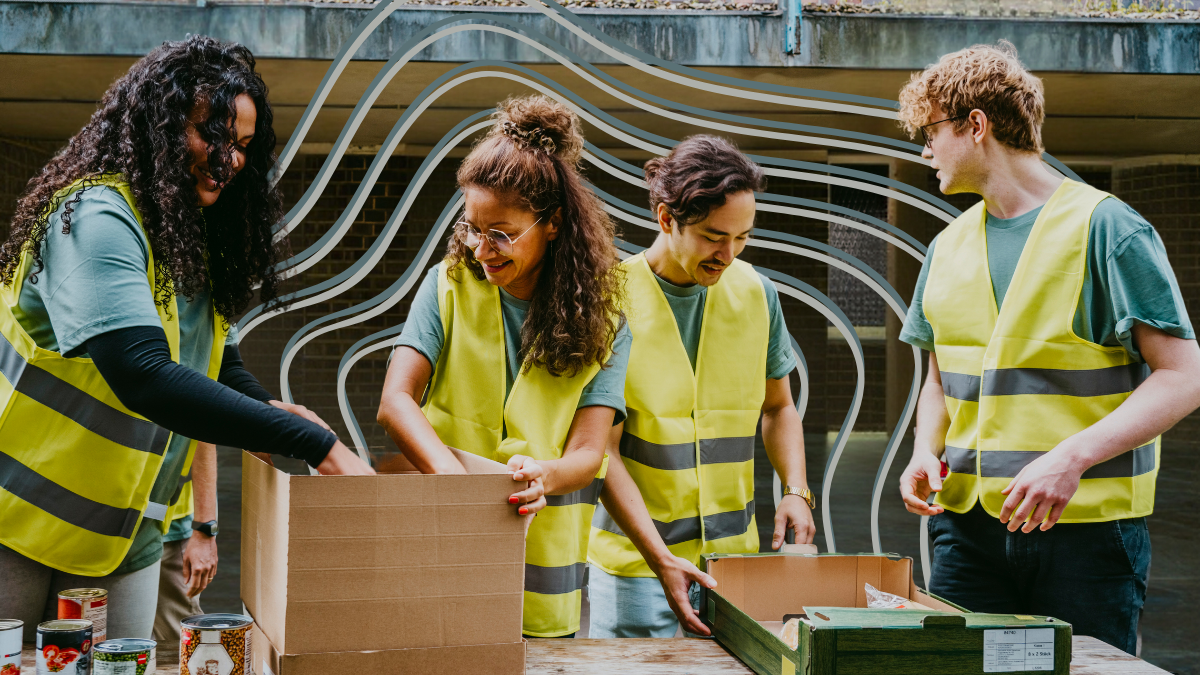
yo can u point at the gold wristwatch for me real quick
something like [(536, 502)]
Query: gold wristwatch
[(803, 493)]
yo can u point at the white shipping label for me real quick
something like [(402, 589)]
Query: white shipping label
[(1009, 650)]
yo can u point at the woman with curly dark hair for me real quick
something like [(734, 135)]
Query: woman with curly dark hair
[(518, 341), (129, 254)]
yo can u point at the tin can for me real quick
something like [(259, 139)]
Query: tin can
[(215, 644), (126, 656), (64, 647), (86, 603), (11, 632)]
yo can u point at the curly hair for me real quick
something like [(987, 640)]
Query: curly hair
[(985, 77), (698, 175), (531, 155), (140, 132)]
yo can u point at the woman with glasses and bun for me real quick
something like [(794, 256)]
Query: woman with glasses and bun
[(517, 343)]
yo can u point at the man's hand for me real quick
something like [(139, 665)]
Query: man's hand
[(1041, 490), (922, 476), (199, 563), (525, 469), (342, 461), (676, 576), (793, 513), (300, 411)]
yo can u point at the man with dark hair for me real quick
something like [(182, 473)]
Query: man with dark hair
[(1041, 307), (710, 355)]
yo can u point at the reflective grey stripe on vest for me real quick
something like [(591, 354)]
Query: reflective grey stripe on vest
[(726, 450), (673, 457), (674, 532), (554, 580), (63, 504), (961, 460), (1007, 464), (728, 524), (75, 404), (587, 495), (1055, 382), (959, 386), (179, 489)]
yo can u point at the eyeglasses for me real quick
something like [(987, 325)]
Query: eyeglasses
[(499, 241), (928, 140)]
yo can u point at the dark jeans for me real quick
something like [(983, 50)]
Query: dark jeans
[(1092, 575)]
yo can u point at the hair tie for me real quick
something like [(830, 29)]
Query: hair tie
[(535, 138)]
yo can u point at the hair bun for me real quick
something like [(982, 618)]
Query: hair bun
[(541, 123)]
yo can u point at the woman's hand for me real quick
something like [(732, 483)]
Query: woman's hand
[(300, 411), (526, 469), (341, 461)]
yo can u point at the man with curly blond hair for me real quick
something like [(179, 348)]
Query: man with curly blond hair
[(1038, 427)]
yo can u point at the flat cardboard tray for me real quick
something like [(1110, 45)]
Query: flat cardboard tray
[(839, 635)]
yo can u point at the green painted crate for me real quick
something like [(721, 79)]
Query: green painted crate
[(839, 636)]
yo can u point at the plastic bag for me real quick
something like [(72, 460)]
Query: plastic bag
[(877, 599)]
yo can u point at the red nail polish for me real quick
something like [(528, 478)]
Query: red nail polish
[(513, 500), (523, 511)]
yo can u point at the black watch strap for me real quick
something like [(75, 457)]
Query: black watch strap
[(209, 527)]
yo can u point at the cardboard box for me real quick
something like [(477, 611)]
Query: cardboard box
[(497, 659), (397, 561), (839, 634)]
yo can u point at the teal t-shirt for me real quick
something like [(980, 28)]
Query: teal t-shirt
[(687, 304), (94, 282), (423, 332), (1128, 279)]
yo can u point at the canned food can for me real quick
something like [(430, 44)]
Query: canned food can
[(86, 603), (11, 632), (64, 647), (215, 644), (126, 656)]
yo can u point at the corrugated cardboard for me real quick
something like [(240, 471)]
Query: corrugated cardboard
[(397, 561), (498, 659), (752, 583)]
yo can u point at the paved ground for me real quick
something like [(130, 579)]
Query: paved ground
[(1170, 632)]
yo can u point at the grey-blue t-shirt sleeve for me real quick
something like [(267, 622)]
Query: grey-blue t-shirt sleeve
[(917, 331), (1130, 281), (423, 327), (94, 278), (781, 360), (607, 388)]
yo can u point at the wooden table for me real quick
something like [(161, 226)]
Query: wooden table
[(683, 656)]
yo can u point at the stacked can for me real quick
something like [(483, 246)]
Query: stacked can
[(64, 647), (11, 631), (126, 656), (90, 604), (215, 644)]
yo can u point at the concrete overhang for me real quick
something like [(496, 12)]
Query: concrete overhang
[(1114, 88)]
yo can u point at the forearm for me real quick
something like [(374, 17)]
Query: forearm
[(1166, 397), (408, 428), (573, 471), (204, 482), (932, 420), (234, 375), (624, 502), (783, 436), (136, 364)]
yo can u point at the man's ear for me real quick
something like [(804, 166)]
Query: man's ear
[(664, 219), (979, 125)]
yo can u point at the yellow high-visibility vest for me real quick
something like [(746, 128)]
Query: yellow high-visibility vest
[(466, 408), (1019, 381), (688, 440), (76, 466)]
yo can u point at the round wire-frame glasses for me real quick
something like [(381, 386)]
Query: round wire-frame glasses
[(499, 241)]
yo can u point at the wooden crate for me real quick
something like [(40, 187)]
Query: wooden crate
[(840, 636)]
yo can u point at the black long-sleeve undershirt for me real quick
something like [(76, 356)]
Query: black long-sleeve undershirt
[(235, 376), (136, 364)]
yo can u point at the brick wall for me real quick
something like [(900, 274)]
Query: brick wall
[(20, 159), (1167, 193)]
